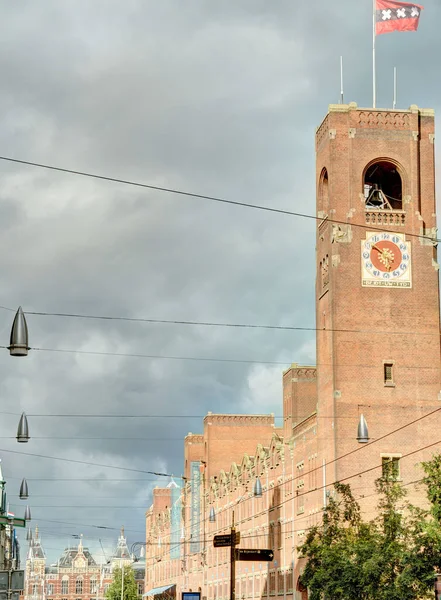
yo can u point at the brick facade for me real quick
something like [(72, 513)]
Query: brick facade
[(378, 354)]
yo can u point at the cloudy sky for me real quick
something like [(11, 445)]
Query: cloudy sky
[(217, 98)]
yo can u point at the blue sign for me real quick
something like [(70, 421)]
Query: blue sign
[(191, 595), (175, 524), (195, 507)]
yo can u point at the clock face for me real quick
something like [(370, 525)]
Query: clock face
[(385, 260)]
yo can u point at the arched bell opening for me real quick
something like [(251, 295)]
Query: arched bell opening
[(383, 186)]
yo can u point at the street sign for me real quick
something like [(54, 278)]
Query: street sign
[(262, 555), (221, 541), (16, 581), (15, 521), (14, 596)]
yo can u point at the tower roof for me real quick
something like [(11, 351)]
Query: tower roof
[(122, 551), (70, 554), (36, 551)]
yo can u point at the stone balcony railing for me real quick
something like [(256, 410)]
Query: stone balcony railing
[(385, 217)]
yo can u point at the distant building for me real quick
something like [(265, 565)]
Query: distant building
[(76, 575)]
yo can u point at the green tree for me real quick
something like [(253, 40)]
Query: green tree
[(391, 557), (128, 585)]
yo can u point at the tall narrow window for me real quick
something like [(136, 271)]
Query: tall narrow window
[(388, 373), (65, 585), (79, 585)]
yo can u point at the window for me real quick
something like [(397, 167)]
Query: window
[(390, 467), (383, 187), (65, 585), (50, 589), (140, 588), (280, 582), (279, 534), (388, 373), (93, 585), (271, 536), (35, 589), (106, 587), (324, 193), (79, 585)]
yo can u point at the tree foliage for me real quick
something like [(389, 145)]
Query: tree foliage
[(392, 557), (128, 586)]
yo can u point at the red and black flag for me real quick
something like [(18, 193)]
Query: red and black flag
[(391, 15)]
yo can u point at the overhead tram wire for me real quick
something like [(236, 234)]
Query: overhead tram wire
[(210, 323), (370, 469), (286, 363), (358, 449), (200, 196)]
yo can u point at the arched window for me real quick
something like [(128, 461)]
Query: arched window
[(65, 585), (79, 585), (383, 187), (324, 192)]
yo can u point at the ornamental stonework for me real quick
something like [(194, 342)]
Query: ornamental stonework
[(382, 119)]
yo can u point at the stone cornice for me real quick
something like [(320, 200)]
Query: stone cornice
[(219, 419)]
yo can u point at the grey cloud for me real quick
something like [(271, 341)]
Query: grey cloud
[(216, 98)]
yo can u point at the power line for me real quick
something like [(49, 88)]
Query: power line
[(216, 323), (81, 506), (174, 416), (285, 363), (199, 196), (92, 526), (161, 357), (84, 462), (168, 475), (57, 479)]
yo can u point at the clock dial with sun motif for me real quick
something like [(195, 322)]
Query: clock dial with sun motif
[(385, 260)]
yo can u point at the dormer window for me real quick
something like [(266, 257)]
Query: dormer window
[(383, 188)]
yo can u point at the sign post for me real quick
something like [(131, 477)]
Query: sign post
[(232, 539)]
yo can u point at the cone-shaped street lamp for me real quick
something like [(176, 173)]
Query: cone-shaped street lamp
[(24, 493), (257, 488), (19, 342), (29, 535), (362, 431), (212, 515), (23, 429), (27, 514)]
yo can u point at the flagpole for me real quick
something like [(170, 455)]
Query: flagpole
[(395, 88), (341, 81), (374, 74)]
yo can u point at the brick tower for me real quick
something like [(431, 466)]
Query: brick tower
[(377, 294)]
